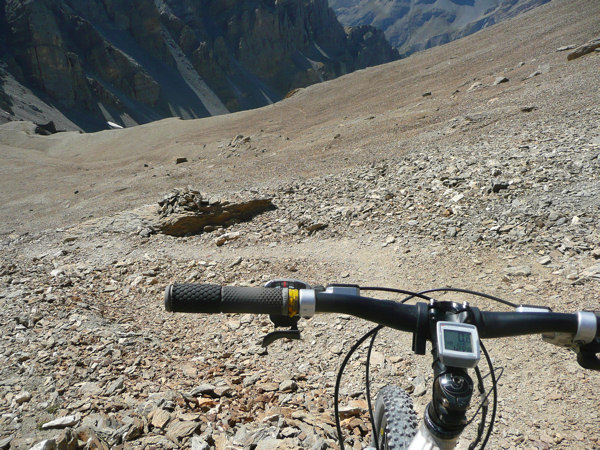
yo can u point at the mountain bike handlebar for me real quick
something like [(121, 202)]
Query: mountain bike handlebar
[(445, 416), (210, 298)]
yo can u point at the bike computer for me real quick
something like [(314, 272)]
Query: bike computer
[(458, 344)]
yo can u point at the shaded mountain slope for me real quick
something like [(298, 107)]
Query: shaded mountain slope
[(413, 25), (136, 61)]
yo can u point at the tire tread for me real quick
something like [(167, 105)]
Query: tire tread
[(396, 406)]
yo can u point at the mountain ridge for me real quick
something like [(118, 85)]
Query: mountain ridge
[(136, 61), (413, 25)]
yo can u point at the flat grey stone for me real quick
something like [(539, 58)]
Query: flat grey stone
[(62, 422), (545, 260), (518, 271), (203, 389), (197, 443), (48, 444)]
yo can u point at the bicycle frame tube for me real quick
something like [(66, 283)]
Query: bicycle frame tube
[(424, 440)]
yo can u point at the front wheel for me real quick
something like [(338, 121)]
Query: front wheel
[(395, 419)]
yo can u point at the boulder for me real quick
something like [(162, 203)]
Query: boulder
[(218, 213), (584, 49)]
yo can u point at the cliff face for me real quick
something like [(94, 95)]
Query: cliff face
[(132, 61), (413, 25), (284, 44)]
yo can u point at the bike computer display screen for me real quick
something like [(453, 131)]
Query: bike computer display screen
[(459, 341), (458, 344)]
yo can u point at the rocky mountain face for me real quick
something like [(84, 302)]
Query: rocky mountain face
[(135, 61), (413, 25)]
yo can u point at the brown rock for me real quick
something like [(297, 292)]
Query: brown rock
[(349, 411), (159, 418), (66, 441), (180, 429), (584, 49), (206, 403), (89, 436), (219, 213), (135, 431), (268, 387)]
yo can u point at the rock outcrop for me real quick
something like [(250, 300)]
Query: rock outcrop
[(39, 54), (135, 61), (584, 49), (5, 102), (185, 212)]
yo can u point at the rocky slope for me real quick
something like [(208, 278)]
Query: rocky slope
[(417, 25), (139, 60), (424, 173)]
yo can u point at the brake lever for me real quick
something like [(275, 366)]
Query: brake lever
[(280, 334), (282, 321), (587, 355)]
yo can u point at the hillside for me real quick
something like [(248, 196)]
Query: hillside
[(412, 26), (474, 165), (83, 64)]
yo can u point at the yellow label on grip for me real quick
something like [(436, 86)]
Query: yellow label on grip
[(293, 302)]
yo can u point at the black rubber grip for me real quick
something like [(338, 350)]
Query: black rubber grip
[(213, 298), (193, 298)]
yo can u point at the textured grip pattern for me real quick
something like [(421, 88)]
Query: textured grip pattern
[(252, 300), (193, 298), (213, 298)]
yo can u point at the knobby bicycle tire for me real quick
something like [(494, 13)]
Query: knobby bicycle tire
[(395, 419)]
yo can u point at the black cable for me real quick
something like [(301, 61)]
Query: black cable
[(422, 295), (501, 370), (410, 294), (470, 292), (495, 390), (481, 404), (339, 379), (483, 407), (368, 387)]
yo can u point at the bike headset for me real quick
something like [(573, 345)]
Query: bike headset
[(445, 415)]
